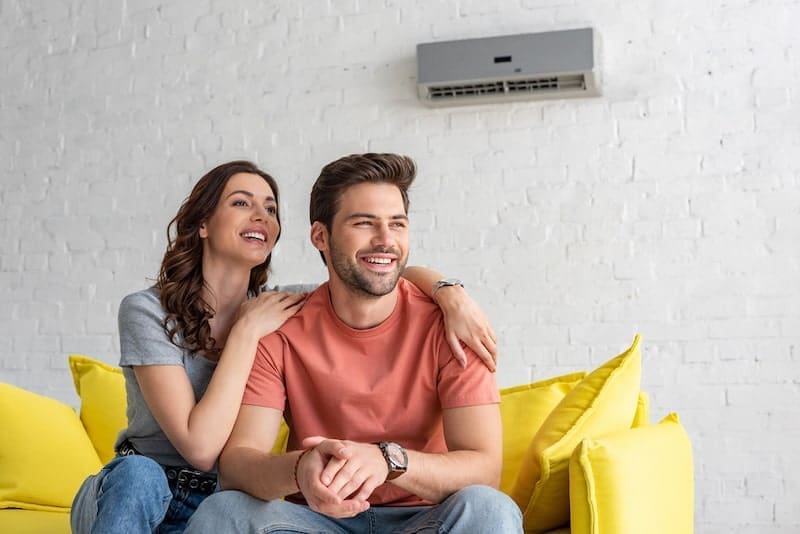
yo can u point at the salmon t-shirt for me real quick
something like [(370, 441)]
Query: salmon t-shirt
[(387, 383)]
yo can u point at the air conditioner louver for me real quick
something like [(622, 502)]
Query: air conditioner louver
[(504, 87), (515, 67)]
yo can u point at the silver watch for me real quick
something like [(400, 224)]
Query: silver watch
[(395, 456), (446, 283)]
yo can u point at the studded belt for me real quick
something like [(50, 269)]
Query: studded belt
[(179, 477)]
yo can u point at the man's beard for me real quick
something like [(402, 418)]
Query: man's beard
[(365, 282)]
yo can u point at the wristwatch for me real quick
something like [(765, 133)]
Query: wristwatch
[(446, 283), (395, 456)]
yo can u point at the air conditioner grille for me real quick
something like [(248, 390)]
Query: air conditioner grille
[(508, 87)]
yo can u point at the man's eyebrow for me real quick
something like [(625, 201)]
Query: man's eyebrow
[(248, 194), (373, 216)]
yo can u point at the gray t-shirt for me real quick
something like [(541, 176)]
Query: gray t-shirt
[(143, 341)]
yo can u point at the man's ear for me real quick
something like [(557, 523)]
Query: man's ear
[(319, 236), (203, 232)]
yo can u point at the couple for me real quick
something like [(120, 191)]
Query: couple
[(384, 420)]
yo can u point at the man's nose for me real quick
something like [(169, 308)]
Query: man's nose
[(383, 234)]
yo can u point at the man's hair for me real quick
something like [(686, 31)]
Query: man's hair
[(336, 177)]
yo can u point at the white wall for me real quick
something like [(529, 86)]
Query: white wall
[(669, 206)]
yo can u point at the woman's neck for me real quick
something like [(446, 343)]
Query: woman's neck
[(224, 291)]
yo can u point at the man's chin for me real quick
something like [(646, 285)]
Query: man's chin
[(379, 286)]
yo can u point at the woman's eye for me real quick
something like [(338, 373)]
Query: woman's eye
[(239, 202), (272, 210)]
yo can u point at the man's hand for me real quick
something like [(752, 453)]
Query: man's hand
[(340, 476)]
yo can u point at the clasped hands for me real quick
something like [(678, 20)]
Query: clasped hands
[(336, 477)]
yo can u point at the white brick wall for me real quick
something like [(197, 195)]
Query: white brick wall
[(668, 206)]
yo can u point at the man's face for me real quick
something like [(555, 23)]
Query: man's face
[(368, 239)]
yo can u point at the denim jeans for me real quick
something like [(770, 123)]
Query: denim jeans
[(130, 495), (473, 510)]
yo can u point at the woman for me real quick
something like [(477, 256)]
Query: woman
[(187, 345)]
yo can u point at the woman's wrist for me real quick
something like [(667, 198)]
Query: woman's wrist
[(449, 297)]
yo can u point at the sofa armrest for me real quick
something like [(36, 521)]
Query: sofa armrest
[(633, 481)]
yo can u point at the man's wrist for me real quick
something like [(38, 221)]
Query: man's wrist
[(297, 466), (396, 458)]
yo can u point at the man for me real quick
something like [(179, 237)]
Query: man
[(387, 432)]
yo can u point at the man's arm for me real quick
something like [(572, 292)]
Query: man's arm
[(474, 456), (475, 451), (247, 465)]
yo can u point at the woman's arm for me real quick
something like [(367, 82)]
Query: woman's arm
[(463, 318), (199, 430)]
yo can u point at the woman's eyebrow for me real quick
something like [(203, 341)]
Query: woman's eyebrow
[(249, 194)]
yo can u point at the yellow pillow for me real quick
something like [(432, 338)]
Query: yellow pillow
[(633, 481), (279, 447), (523, 409), (101, 388), (642, 416), (45, 453), (603, 402)]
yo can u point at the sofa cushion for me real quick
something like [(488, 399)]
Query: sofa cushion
[(34, 522), (45, 453), (101, 388), (633, 481), (523, 409), (605, 401)]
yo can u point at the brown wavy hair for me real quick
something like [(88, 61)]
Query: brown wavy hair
[(180, 280)]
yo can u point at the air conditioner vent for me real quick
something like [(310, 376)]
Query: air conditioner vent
[(503, 87), (526, 66)]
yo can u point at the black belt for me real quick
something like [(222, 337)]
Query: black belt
[(180, 477)]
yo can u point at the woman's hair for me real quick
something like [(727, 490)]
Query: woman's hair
[(180, 280)]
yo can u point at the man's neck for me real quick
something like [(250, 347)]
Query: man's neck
[(358, 310)]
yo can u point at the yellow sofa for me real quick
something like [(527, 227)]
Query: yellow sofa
[(580, 455)]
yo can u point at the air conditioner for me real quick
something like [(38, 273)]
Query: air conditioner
[(528, 66)]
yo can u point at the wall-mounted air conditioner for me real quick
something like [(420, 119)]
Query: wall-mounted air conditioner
[(528, 66)]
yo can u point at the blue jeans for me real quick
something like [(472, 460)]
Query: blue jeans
[(130, 495), (473, 510)]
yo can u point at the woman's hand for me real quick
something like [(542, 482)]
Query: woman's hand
[(465, 321), (266, 313)]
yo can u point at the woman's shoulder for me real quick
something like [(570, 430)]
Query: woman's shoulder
[(144, 300), (291, 288)]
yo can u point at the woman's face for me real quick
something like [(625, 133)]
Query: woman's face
[(244, 226)]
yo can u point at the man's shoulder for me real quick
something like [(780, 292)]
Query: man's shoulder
[(298, 323), (415, 297)]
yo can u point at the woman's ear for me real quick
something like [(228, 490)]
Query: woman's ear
[(203, 232), (319, 236)]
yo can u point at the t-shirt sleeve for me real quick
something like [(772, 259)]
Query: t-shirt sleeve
[(459, 386), (265, 386), (142, 338)]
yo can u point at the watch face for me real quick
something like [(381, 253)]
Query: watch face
[(396, 454)]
